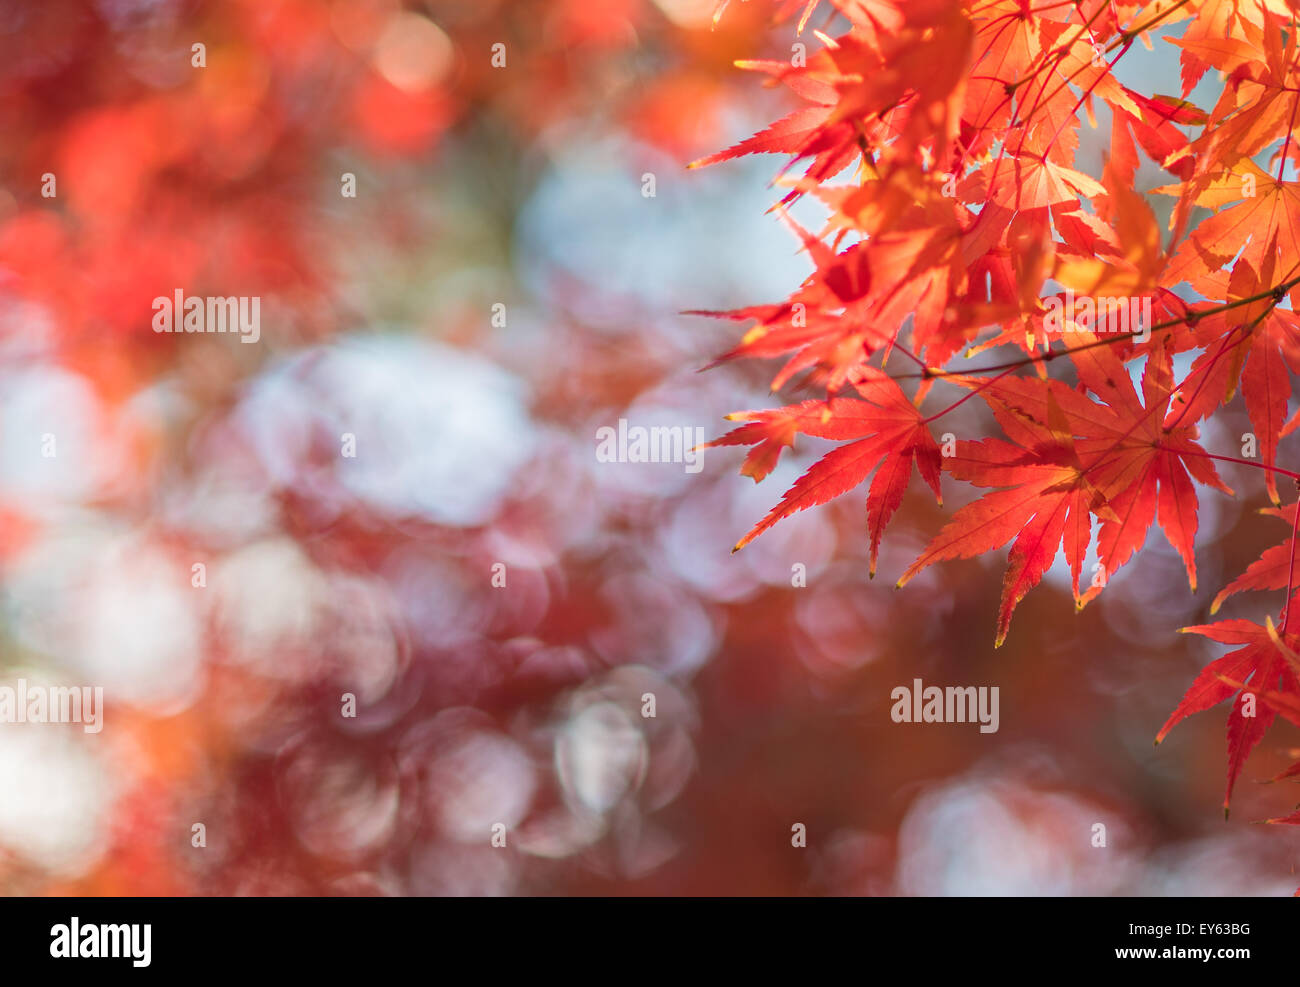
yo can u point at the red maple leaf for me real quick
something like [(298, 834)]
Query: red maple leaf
[(888, 433)]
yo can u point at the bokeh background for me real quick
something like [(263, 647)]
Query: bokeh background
[(519, 186)]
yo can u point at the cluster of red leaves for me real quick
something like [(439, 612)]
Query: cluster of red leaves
[(966, 221)]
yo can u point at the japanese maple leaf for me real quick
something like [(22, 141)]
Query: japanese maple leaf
[(1254, 345), (1138, 238), (1155, 126), (822, 323), (1261, 662), (806, 133), (1143, 456), (1266, 217), (1007, 48), (1048, 499), (857, 300), (869, 90), (1124, 461), (1032, 181), (1257, 106), (801, 134), (1274, 569), (1223, 34), (889, 433), (1134, 451)]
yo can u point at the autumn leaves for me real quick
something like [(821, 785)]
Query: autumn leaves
[(967, 223)]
